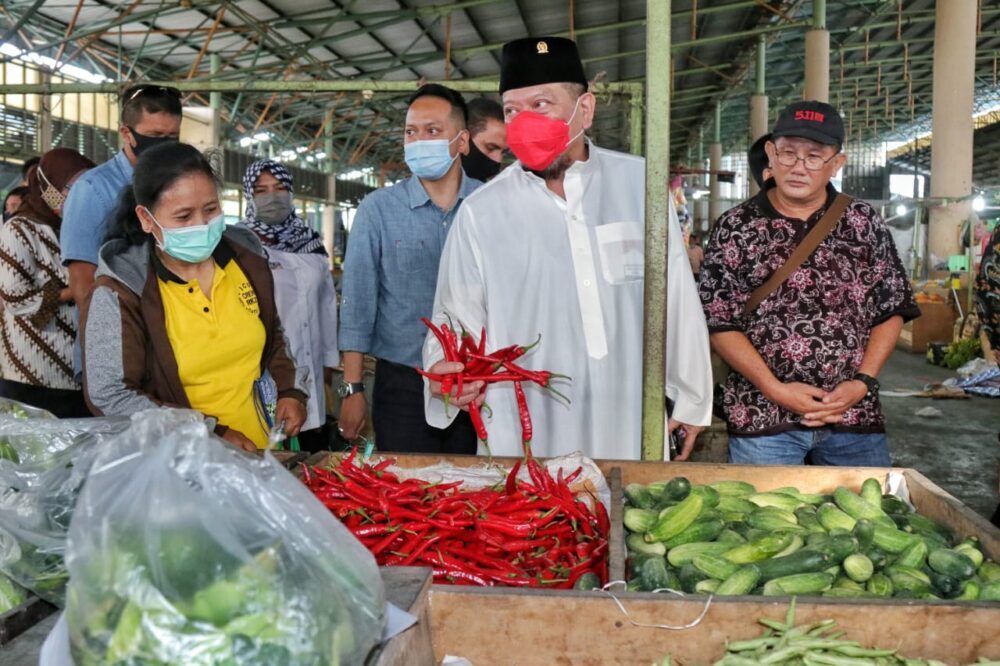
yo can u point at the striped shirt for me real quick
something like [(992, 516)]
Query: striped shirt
[(36, 330)]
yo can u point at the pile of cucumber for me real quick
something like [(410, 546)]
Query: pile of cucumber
[(726, 538)]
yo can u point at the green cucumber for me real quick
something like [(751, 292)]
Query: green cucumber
[(797, 543), (856, 507), (944, 585), (636, 544), (845, 583), (707, 586), (703, 529), (685, 553), (951, 563), (715, 566), (588, 581), (777, 500), (989, 571), (640, 520), (892, 540), (690, 577), (759, 549), (910, 580), (864, 532), (893, 505), (741, 582), (771, 519), (990, 591), (915, 556), (733, 488), (638, 496), (731, 536), (809, 520), (972, 552), (635, 563), (676, 519), (796, 584), (970, 591), (858, 567), (677, 489), (837, 547), (871, 492), (709, 496), (924, 525), (802, 561), (653, 574), (831, 517), (880, 585), (848, 593), (729, 504), (877, 556)]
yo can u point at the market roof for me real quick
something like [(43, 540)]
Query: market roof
[(881, 57)]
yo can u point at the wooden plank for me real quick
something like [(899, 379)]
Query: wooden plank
[(409, 589), (934, 502), (616, 540), (23, 616), (489, 626)]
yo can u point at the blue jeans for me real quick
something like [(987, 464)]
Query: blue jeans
[(826, 446)]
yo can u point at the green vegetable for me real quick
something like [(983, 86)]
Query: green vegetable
[(830, 517), (989, 571), (864, 532), (990, 591), (733, 488), (639, 496), (970, 591), (729, 504), (877, 556), (871, 492), (685, 553), (915, 555), (972, 552), (893, 505), (945, 586), (905, 578), (715, 566), (858, 567), (640, 520), (731, 536), (924, 525), (653, 574), (777, 500), (677, 489), (797, 543), (636, 544), (690, 576), (772, 519), (710, 497), (951, 563), (837, 547), (676, 519), (707, 586), (857, 508), (11, 594), (703, 529), (741, 582), (892, 540), (880, 585), (845, 583), (759, 549), (796, 584), (802, 561)]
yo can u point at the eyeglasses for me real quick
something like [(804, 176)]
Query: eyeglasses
[(136, 91), (789, 158)]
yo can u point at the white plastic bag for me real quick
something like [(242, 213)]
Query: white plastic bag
[(183, 550)]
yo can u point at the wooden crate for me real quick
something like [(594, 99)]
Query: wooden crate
[(935, 324), (22, 617), (499, 626)]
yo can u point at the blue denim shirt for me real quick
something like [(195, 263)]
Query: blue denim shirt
[(92, 200), (391, 269)]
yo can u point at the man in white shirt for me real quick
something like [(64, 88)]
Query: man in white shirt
[(554, 245)]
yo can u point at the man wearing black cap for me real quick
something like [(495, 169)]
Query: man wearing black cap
[(554, 245), (805, 335)]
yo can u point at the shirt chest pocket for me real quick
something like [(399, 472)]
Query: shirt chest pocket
[(412, 257), (620, 246)]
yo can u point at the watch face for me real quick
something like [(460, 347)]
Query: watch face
[(344, 390)]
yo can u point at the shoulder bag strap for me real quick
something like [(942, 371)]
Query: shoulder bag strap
[(804, 250)]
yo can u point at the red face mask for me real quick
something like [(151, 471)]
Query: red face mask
[(538, 140)]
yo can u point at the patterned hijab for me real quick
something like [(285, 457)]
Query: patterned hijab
[(291, 235)]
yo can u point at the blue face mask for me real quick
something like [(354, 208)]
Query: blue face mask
[(192, 245), (429, 159)]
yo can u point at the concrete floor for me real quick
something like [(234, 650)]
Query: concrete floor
[(959, 452)]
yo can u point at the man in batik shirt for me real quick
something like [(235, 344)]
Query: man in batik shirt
[(806, 359)]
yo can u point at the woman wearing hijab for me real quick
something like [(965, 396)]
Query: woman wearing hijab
[(306, 298), (37, 329)]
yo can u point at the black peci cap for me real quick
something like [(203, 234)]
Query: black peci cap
[(816, 121), (534, 61)]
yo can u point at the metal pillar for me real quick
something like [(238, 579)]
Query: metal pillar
[(715, 165), (635, 118), (215, 62), (758, 106), (45, 117), (654, 331), (951, 126), (818, 56)]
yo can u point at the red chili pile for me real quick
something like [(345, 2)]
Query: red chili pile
[(489, 368), (531, 534)]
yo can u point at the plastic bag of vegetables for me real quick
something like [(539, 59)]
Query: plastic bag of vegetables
[(30, 436), (184, 550), (37, 498)]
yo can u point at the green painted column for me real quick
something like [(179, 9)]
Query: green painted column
[(817, 85), (654, 330), (715, 165), (758, 105)]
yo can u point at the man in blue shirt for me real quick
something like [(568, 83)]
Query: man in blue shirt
[(150, 115), (390, 274)]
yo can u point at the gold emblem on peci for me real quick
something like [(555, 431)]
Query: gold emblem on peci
[(542, 47)]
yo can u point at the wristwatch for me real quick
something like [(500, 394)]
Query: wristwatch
[(870, 382), (347, 389)]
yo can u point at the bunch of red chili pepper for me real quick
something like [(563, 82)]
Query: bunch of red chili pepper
[(479, 366), (532, 534)]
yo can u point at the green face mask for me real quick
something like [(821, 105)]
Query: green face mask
[(192, 244)]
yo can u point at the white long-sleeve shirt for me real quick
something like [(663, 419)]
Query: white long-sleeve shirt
[(307, 306), (521, 261)]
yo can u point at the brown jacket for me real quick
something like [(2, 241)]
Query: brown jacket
[(128, 362)]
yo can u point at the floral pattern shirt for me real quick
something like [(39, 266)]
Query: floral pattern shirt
[(814, 328), (988, 293)]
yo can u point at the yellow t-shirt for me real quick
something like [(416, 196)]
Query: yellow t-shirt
[(218, 343)]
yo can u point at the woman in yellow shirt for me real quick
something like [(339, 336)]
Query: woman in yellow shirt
[(182, 312)]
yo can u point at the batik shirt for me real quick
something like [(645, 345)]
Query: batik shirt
[(815, 327), (988, 292)]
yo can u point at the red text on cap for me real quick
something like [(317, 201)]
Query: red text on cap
[(814, 116)]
